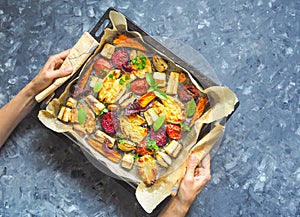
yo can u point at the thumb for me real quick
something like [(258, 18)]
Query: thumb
[(191, 165), (62, 72)]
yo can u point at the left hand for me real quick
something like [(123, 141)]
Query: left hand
[(50, 71)]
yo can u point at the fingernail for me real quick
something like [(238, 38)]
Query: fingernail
[(69, 69), (193, 158)]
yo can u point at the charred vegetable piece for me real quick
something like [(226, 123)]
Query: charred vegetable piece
[(173, 83), (141, 148), (139, 86), (65, 114), (90, 120), (140, 64), (172, 108), (112, 90), (95, 104), (61, 113), (127, 160), (159, 136), (173, 148), (105, 151), (124, 41), (78, 128), (112, 107), (147, 168), (173, 131), (120, 58), (203, 101), (71, 102), (146, 99), (102, 66), (182, 77), (160, 78), (109, 123), (187, 92), (107, 50), (159, 64), (131, 127), (104, 138), (150, 116), (163, 159), (126, 145)]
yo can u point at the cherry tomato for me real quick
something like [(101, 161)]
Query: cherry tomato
[(173, 131)]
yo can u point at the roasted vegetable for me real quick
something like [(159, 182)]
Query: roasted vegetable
[(126, 145), (139, 86), (124, 41), (187, 92), (173, 131), (105, 151), (132, 129), (159, 136), (146, 99), (102, 66), (159, 78), (127, 160), (173, 83), (173, 148), (150, 116), (111, 90), (163, 159), (107, 50), (71, 102), (104, 138), (120, 58), (147, 168), (141, 148), (109, 123), (159, 64), (95, 104), (203, 101)]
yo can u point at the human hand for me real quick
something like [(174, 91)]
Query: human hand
[(50, 71), (196, 176)]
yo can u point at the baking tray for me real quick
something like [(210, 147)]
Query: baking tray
[(204, 80)]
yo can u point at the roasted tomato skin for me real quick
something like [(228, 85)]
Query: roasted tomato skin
[(173, 131), (141, 148), (139, 86)]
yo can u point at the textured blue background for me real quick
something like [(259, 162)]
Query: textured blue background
[(253, 45)]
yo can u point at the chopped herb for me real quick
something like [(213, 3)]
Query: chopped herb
[(81, 115), (102, 71), (121, 81), (161, 94), (150, 79), (105, 110), (139, 62), (121, 141), (128, 85), (184, 127), (154, 87), (111, 76), (122, 136), (158, 122), (127, 77), (191, 107), (151, 145), (98, 86), (136, 157)]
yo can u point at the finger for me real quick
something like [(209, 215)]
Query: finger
[(62, 55), (191, 165), (61, 72), (206, 162)]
